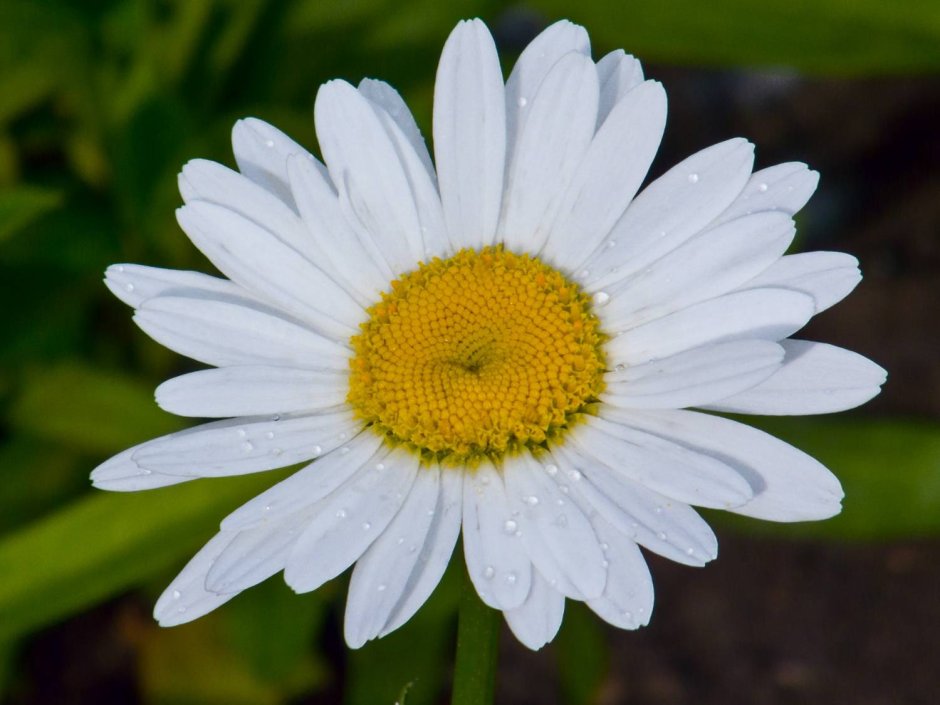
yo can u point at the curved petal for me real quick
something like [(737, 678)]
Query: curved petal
[(815, 379), (470, 134), (826, 276), (261, 152), (186, 598), (124, 474), (537, 620), (135, 283), (497, 562), (627, 601), (618, 74), (389, 100), (788, 484), (254, 555), (784, 187)]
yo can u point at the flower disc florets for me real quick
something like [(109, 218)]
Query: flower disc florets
[(477, 355)]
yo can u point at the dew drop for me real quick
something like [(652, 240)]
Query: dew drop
[(177, 594), (522, 102), (510, 526), (401, 540), (628, 615), (605, 563), (690, 551), (380, 466), (267, 507), (661, 535), (563, 488), (276, 452), (693, 178), (620, 368), (552, 470), (248, 446), (242, 433), (488, 572), (120, 268), (344, 450), (412, 548), (560, 502), (511, 578), (145, 471), (381, 587), (366, 525), (129, 287), (317, 450), (601, 298), (762, 187), (269, 435), (342, 436), (269, 143), (531, 500), (575, 475), (659, 510), (584, 273), (276, 417), (605, 546), (181, 610), (341, 514)]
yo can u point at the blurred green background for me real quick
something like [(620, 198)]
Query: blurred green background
[(101, 102)]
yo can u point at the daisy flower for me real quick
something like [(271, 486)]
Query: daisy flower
[(499, 344)]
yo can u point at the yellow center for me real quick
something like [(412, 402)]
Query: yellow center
[(477, 355)]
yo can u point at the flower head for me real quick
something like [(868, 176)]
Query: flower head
[(501, 344)]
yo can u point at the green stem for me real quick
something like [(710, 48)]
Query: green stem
[(477, 645)]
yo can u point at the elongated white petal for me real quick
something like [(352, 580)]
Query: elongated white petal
[(367, 171), (262, 263), (537, 620), (764, 314), (135, 283), (784, 187), (627, 601), (230, 331), (670, 210), (248, 390), (245, 445), (385, 572), (353, 256), (313, 483), (470, 134), (609, 176), (253, 555), (552, 140), (262, 151), (204, 180), (815, 379), (788, 484), (826, 276), (695, 377), (387, 98), (555, 532), (349, 520), (534, 63), (436, 552), (123, 473), (497, 562), (618, 74), (708, 265), (664, 526), (186, 598), (667, 468)]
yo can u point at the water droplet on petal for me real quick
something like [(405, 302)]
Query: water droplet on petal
[(511, 578), (381, 587), (366, 525), (269, 435), (620, 368), (248, 446), (522, 102), (342, 436), (552, 470), (380, 466), (129, 287), (605, 546), (531, 500), (659, 510), (488, 572), (317, 450), (181, 610), (762, 187), (690, 551), (145, 471), (269, 143), (341, 514), (276, 452), (661, 535), (242, 433), (344, 450), (575, 475), (601, 298), (605, 563), (510, 526), (177, 594), (693, 178)]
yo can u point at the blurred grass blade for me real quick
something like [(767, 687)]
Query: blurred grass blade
[(22, 205), (581, 653), (105, 543), (820, 36)]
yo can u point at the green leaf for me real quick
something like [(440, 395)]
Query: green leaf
[(22, 205), (890, 470), (105, 543), (822, 36), (581, 655), (89, 409)]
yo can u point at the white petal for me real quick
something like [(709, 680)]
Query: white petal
[(627, 601), (246, 445), (254, 555), (135, 283), (230, 331), (262, 151), (618, 74), (788, 484), (670, 210), (669, 528), (533, 65), (313, 483), (708, 265), (435, 555), (470, 134), (552, 140), (433, 233), (667, 468), (695, 377), (248, 390), (826, 276), (386, 573), (387, 98), (764, 314), (609, 175), (537, 620), (123, 474), (784, 187), (555, 532), (347, 521), (259, 261), (355, 260), (204, 180), (497, 562), (186, 598), (815, 379), (373, 188)]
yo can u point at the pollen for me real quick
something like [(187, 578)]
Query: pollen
[(478, 355)]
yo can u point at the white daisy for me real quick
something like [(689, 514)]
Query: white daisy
[(499, 344)]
